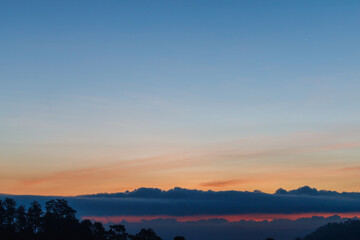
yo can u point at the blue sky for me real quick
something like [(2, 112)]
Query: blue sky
[(88, 83)]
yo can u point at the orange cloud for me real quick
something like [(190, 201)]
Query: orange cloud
[(223, 183)]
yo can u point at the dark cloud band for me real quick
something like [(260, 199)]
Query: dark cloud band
[(183, 202)]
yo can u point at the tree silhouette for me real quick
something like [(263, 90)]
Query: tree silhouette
[(33, 217), (117, 232), (20, 219), (179, 238), (98, 231), (146, 234), (58, 222), (10, 210)]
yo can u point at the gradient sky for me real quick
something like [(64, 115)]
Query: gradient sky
[(106, 96)]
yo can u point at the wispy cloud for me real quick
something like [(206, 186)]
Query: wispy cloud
[(223, 183)]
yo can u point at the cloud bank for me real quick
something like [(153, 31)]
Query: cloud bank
[(185, 202)]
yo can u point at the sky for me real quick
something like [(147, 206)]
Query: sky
[(111, 96)]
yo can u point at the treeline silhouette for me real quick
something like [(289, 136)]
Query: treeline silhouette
[(59, 222)]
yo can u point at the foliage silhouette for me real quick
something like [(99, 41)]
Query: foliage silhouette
[(145, 234), (58, 222), (179, 238)]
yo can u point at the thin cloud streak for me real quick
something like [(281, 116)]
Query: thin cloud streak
[(224, 183)]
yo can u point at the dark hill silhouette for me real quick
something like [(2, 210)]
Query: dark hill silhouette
[(349, 230)]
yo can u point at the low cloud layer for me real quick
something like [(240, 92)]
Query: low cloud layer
[(184, 202), (220, 229)]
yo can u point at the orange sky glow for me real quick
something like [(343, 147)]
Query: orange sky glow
[(256, 163), (230, 218)]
